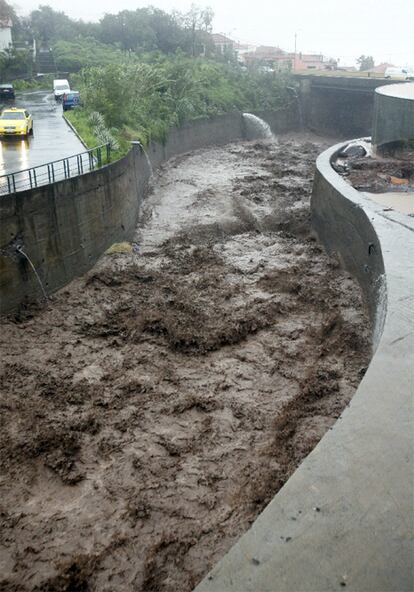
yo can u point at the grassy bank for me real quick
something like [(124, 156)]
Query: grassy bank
[(142, 101), (94, 135)]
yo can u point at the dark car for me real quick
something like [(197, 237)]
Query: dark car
[(70, 99), (6, 91)]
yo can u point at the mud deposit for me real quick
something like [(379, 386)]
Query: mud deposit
[(155, 407), (379, 174)]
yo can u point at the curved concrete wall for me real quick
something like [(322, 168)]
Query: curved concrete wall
[(338, 106), (65, 227), (393, 114), (345, 517)]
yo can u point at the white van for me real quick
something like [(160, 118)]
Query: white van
[(60, 87), (401, 73)]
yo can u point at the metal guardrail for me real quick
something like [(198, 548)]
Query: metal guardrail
[(57, 170)]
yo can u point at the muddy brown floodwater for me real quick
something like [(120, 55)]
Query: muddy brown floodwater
[(154, 408)]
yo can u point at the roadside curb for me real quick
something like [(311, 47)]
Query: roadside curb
[(75, 131)]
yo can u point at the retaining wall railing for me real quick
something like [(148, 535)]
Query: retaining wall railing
[(57, 170)]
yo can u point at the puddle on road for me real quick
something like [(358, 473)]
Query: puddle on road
[(402, 202), (52, 139)]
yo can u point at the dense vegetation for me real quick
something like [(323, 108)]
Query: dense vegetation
[(141, 72), (142, 100), (72, 56), (139, 31)]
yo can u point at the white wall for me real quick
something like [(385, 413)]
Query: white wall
[(5, 37)]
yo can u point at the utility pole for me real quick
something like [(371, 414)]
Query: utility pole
[(294, 60)]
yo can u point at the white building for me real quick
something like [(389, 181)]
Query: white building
[(5, 33)]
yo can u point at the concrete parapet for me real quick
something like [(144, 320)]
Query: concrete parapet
[(345, 517)]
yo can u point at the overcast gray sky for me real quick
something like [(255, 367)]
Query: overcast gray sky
[(342, 29)]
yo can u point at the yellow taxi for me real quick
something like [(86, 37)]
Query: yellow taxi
[(16, 122)]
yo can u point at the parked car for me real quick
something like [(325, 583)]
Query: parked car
[(70, 99), (60, 87), (16, 122), (6, 91), (399, 73)]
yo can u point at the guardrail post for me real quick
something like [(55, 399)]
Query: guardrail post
[(99, 156), (35, 178), (108, 153), (14, 183), (30, 178), (91, 161), (68, 166)]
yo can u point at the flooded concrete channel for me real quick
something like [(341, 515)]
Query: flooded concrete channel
[(157, 404)]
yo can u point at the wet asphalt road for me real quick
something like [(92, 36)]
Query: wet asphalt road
[(52, 138)]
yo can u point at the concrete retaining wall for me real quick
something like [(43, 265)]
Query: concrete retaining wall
[(344, 520), (393, 115), (338, 106), (65, 227)]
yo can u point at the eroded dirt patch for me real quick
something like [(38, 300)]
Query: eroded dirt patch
[(379, 174), (156, 406)]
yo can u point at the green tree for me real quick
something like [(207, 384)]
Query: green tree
[(365, 62), (197, 23), (7, 11), (15, 63), (48, 25), (140, 31), (144, 29)]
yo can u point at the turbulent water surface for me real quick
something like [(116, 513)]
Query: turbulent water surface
[(155, 407)]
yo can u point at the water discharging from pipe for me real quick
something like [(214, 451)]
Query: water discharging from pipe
[(21, 252), (147, 158), (148, 161), (260, 127)]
